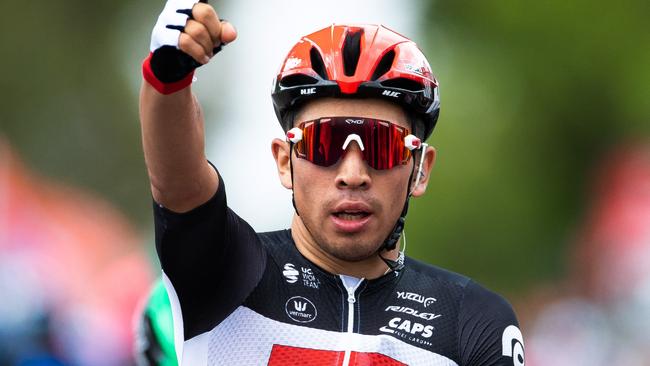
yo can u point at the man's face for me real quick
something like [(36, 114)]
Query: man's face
[(349, 208)]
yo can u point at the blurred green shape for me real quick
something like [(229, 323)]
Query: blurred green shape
[(533, 94), (156, 341)]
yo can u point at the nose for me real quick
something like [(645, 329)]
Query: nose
[(352, 172)]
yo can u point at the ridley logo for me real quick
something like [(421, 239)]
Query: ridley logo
[(409, 311), (426, 301), (290, 273), (300, 309), (354, 121)]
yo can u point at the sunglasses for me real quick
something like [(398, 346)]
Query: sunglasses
[(324, 141)]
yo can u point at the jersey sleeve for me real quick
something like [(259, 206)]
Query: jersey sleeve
[(212, 258), (489, 332)]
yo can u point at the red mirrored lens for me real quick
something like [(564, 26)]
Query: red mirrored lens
[(323, 141)]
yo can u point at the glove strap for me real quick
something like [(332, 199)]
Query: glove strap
[(160, 86)]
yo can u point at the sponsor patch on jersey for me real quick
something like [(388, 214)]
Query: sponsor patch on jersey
[(300, 309), (290, 273), (426, 301), (409, 330), (304, 274), (513, 345), (415, 313)]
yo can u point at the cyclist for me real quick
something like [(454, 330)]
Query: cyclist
[(357, 103)]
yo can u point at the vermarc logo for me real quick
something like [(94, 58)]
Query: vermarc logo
[(300, 309)]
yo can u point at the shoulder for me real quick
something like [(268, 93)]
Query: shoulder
[(478, 299), (486, 327), (425, 271), (469, 296), (471, 292), (276, 240), (277, 244)]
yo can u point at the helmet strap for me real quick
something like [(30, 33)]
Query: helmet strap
[(291, 115), (393, 237), (293, 197)]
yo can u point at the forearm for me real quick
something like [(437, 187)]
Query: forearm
[(173, 140), (186, 36)]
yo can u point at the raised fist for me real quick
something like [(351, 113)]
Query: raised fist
[(187, 34)]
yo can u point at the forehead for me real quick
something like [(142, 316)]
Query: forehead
[(338, 107)]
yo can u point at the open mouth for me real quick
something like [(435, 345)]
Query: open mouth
[(351, 215)]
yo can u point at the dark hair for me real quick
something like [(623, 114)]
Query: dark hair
[(417, 125)]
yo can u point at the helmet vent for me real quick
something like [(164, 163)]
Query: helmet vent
[(297, 80), (351, 52), (384, 65), (403, 83), (317, 63)]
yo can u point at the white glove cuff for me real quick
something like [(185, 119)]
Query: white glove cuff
[(163, 36)]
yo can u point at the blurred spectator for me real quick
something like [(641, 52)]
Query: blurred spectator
[(71, 273), (154, 344), (605, 318)]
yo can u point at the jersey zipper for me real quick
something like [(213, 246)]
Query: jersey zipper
[(351, 301)]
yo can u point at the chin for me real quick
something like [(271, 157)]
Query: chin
[(351, 251)]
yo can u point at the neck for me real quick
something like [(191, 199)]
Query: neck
[(370, 268)]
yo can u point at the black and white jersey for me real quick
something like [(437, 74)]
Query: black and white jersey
[(246, 298)]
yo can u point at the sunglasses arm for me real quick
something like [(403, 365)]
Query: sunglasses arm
[(294, 135), (423, 147)]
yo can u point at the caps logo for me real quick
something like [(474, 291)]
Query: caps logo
[(409, 330)]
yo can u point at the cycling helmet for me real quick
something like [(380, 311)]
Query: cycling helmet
[(359, 61)]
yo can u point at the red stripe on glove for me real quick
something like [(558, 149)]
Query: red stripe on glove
[(164, 88)]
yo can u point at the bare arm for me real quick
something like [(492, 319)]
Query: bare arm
[(173, 126), (173, 141)]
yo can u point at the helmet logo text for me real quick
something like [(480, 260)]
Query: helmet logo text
[(390, 93), (307, 91)]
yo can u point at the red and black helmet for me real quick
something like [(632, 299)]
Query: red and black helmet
[(359, 61)]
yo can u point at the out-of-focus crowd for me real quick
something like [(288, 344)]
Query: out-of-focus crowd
[(599, 315), (72, 273)]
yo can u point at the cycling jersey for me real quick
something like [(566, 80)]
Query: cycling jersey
[(246, 298)]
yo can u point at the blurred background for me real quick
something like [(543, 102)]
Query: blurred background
[(541, 190)]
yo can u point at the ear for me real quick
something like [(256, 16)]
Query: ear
[(281, 153), (427, 165)]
